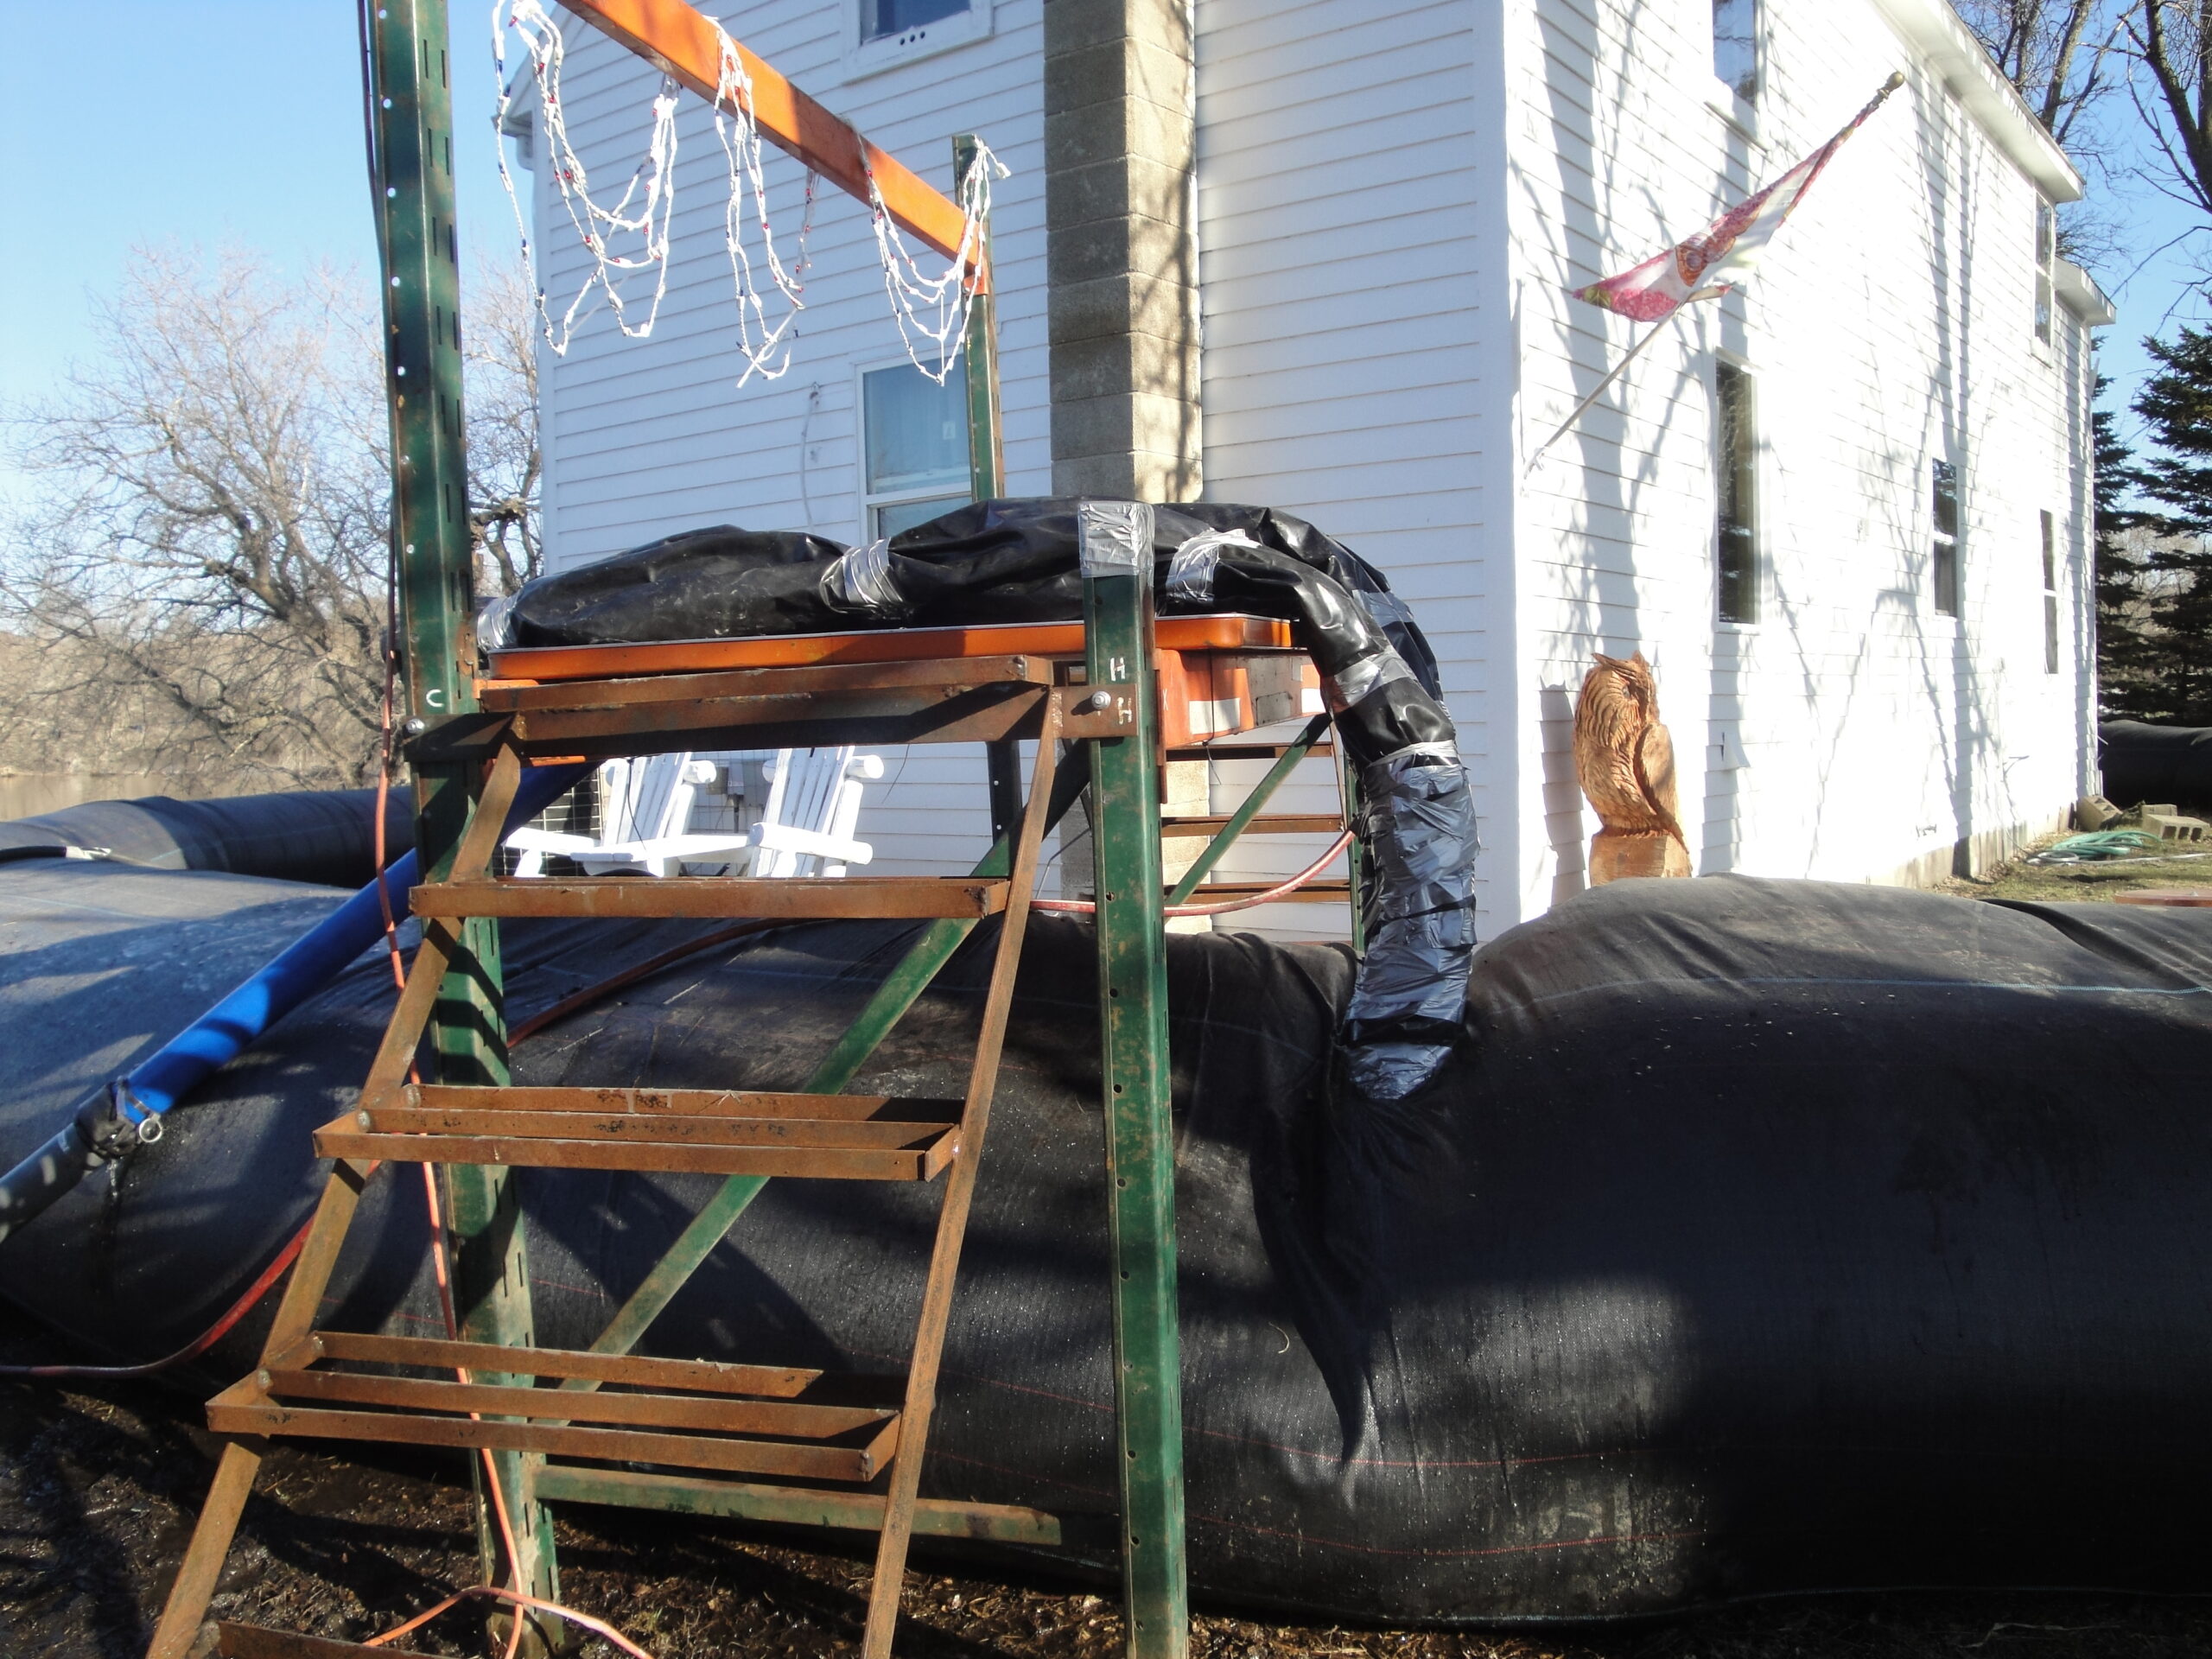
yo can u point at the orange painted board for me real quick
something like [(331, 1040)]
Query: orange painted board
[(684, 43), (2176, 898), (540, 663)]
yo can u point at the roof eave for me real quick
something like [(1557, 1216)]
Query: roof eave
[(1949, 51)]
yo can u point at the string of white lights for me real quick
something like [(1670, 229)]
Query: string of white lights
[(621, 239)]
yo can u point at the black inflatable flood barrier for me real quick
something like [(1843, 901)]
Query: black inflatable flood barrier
[(1759, 1237), (2143, 762), (326, 837)]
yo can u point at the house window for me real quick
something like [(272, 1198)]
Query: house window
[(2046, 256), (1946, 561), (2049, 595), (915, 437), (1735, 466), (1736, 45), (882, 20)]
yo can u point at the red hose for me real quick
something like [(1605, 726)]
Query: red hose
[(1289, 885)]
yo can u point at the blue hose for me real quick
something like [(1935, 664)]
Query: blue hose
[(127, 1111)]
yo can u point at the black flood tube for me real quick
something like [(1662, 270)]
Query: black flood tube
[(324, 837), (1755, 1236), (127, 1112), (2164, 763)]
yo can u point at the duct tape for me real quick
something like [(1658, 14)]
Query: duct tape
[(1358, 680), (860, 581), (1189, 573), (1385, 609), (1114, 536), (495, 623)]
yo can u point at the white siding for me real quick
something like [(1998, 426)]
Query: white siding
[(1346, 165), (1891, 322), (646, 437)]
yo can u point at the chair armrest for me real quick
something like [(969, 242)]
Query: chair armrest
[(784, 838)]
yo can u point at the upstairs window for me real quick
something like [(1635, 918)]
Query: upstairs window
[(1735, 471), (2049, 595), (2046, 258), (884, 20), (1945, 563), (914, 439), (1736, 45)]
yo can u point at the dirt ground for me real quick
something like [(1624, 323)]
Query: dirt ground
[(98, 1487)]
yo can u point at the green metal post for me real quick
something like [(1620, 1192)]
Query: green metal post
[(411, 128), (1139, 1137), (987, 461)]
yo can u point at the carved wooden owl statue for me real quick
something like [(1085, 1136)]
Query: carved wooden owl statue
[(1626, 763)]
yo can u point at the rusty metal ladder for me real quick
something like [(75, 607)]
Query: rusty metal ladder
[(547, 1414)]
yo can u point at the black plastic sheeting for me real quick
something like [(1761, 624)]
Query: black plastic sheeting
[(1020, 561), (2164, 764), (1758, 1236), (325, 836)]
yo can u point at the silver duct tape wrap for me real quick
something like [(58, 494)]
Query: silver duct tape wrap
[(1355, 682), (860, 582), (1417, 828), (1385, 609), (1115, 537), (495, 623), (1189, 573)]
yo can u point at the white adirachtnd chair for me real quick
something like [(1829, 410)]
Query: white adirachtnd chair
[(813, 807), (644, 806)]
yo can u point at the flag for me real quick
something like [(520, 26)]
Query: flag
[(1724, 253)]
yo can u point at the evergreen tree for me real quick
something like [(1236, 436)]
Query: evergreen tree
[(2126, 653), (2170, 677)]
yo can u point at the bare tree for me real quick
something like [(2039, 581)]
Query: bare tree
[(501, 347), (2058, 54), (2172, 39), (213, 529)]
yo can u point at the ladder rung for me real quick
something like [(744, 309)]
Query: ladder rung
[(1295, 823), (719, 1103), (928, 1148), (1247, 752), (245, 1408), (1313, 893), (639, 1129), (853, 896), (256, 1641), (697, 1375), (1004, 1523), (720, 1415)]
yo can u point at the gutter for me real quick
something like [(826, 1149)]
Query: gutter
[(1957, 63)]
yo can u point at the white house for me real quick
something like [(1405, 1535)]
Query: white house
[(1845, 512)]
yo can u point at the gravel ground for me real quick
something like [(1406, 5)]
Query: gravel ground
[(98, 1488)]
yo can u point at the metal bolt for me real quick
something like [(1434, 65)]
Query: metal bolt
[(1096, 703), (413, 726)]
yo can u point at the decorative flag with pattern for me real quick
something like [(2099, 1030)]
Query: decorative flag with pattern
[(1724, 253)]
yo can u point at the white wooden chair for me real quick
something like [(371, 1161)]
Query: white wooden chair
[(644, 805), (813, 807)]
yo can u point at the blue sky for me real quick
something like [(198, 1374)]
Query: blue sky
[(129, 121), (135, 121)]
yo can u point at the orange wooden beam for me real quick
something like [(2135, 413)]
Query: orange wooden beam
[(681, 42)]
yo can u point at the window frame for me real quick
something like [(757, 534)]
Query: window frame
[(1946, 559), (867, 57), (870, 500), (1725, 476), (2045, 314), (2049, 528)]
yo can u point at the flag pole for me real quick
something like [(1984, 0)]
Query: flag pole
[(1599, 391)]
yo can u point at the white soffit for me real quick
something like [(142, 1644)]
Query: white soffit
[(2081, 295), (1933, 30)]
